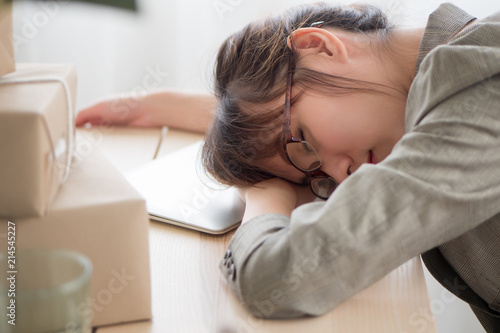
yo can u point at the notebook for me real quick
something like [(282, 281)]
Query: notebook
[(177, 191)]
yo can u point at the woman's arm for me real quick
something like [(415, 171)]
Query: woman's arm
[(439, 183), (188, 111), (274, 196)]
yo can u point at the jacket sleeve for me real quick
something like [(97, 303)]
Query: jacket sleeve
[(441, 180)]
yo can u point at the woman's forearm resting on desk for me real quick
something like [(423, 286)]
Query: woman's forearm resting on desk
[(328, 251), (274, 196), (188, 111)]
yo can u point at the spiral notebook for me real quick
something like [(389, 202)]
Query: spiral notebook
[(177, 191)]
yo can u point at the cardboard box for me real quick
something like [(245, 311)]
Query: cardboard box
[(36, 136), (99, 214), (7, 63)]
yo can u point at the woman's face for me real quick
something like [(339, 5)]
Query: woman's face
[(351, 129), (346, 131)]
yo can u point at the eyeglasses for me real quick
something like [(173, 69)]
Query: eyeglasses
[(301, 153)]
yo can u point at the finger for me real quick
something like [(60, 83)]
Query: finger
[(94, 121), (81, 119), (88, 115)]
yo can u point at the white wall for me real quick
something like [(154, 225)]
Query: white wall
[(114, 50), (175, 41)]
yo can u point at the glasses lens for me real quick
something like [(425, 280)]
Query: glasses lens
[(323, 187), (303, 155)]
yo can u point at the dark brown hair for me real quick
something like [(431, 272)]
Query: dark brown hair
[(250, 74)]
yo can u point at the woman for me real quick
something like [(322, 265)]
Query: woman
[(406, 121)]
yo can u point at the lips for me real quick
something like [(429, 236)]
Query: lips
[(371, 158)]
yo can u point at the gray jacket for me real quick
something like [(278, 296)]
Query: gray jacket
[(440, 186)]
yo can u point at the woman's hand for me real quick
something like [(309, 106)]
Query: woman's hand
[(187, 111), (274, 196), (120, 111)]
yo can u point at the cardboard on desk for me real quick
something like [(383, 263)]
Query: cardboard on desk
[(99, 214), (7, 63), (36, 135)]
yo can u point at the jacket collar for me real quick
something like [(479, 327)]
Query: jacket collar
[(443, 24)]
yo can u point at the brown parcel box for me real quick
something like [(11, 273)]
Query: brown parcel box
[(36, 136), (99, 214), (7, 63)]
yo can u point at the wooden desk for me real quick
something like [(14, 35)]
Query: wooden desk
[(189, 293)]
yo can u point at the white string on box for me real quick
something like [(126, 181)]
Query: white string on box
[(71, 120)]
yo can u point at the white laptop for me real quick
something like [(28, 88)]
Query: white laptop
[(177, 191)]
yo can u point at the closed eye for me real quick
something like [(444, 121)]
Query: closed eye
[(305, 144), (301, 135)]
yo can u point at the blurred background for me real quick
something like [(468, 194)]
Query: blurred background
[(116, 50), (172, 44)]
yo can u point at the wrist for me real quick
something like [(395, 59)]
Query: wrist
[(263, 200), (188, 111)]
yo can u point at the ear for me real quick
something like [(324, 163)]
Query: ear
[(309, 41)]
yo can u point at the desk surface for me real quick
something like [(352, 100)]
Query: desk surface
[(189, 293)]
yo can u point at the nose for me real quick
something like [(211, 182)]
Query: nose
[(337, 167)]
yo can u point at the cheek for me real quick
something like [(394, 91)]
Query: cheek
[(354, 119), (341, 125)]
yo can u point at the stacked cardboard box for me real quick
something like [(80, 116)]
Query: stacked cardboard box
[(98, 213), (36, 136), (7, 64), (59, 202)]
